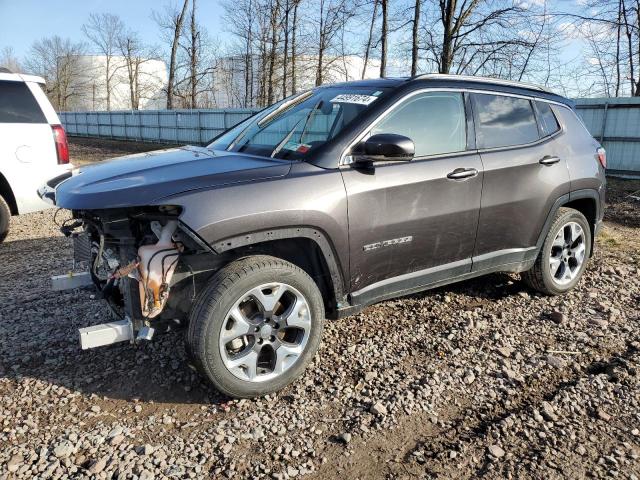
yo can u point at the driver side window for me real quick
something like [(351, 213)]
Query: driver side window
[(435, 121)]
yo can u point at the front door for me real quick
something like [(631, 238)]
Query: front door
[(415, 222)]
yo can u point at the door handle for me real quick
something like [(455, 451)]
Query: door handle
[(460, 173), (549, 160)]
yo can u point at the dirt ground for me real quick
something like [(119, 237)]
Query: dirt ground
[(482, 379)]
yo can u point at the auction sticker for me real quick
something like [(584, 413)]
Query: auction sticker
[(354, 98)]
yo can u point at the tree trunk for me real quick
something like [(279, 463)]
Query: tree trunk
[(370, 39), (447, 38), (194, 56), (414, 38), (293, 47), (108, 82), (286, 49), (618, 31), (383, 53), (275, 10), (174, 51)]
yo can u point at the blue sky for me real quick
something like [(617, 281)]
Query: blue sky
[(25, 21)]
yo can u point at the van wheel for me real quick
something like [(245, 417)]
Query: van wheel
[(255, 326), (5, 218), (563, 256)]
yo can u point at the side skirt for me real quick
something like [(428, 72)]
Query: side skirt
[(514, 260)]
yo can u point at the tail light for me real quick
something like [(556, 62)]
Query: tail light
[(602, 156), (62, 147)]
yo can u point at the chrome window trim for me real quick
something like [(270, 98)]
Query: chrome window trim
[(344, 160)]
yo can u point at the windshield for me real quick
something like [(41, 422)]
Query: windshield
[(296, 126)]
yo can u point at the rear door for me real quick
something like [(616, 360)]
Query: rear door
[(415, 219), (27, 151), (524, 173)]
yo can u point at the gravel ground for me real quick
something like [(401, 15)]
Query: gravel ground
[(480, 379)]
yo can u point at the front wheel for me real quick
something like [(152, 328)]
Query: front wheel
[(563, 256), (5, 218), (255, 326)]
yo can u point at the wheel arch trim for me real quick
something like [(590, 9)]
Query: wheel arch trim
[(316, 235), (565, 199)]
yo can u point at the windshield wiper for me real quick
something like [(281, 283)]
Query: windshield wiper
[(285, 106), (288, 136)]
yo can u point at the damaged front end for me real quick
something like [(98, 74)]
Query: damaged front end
[(133, 255)]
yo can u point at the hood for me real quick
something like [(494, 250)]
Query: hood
[(141, 179)]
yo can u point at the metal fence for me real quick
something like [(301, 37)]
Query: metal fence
[(615, 122), (161, 126)]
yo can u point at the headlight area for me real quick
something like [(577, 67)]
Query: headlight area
[(138, 259)]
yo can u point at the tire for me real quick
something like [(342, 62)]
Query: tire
[(222, 348), (557, 268), (5, 219)]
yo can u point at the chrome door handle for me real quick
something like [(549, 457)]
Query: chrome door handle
[(549, 160), (460, 173)]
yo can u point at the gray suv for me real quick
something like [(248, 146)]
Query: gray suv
[(329, 201)]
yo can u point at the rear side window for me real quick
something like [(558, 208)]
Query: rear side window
[(503, 121), (17, 104), (434, 121), (548, 122)]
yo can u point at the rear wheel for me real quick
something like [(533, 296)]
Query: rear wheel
[(5, 218), (563, 256), (256, 326)]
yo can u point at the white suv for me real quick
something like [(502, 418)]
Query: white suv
[(33, 147)]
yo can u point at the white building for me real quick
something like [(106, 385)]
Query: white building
[(91, 85)]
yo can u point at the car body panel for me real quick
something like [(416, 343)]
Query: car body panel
[(142, 178), (308, 197), (408, 216)]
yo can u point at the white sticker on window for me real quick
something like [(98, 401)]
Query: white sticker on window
[(354, 98)]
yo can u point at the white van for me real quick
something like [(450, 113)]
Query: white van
[(33, 145)]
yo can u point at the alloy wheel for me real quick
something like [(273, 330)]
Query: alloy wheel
[(265, 332), (568, 253)]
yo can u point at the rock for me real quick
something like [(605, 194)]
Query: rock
[(137, 408), (555, 362), (117, 440), (14, 463), (146, 475), (95, 409), (345, 437), (496, 451), (378, 409), (146, 449), (557, 317), (602, 415), (64, 449), (469, 378), (99, 465), (548, 412), (598, 322), (505, 351), (370, 376)]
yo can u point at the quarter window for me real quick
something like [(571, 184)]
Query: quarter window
[(435, 122), (503, 121), (17, 104), (548, 122)]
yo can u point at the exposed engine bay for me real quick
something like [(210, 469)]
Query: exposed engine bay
[(141, 262)]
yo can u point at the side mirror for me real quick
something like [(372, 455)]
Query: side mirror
[(384, 147)]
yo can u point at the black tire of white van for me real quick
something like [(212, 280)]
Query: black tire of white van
[(210, 311), (5, 219), (539, 277)]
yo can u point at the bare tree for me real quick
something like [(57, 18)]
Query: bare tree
[(135, 54), (9, 60), (171, 22), (415, 38), (367, 50), (384, 37), (56, 59), (103, 31)]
